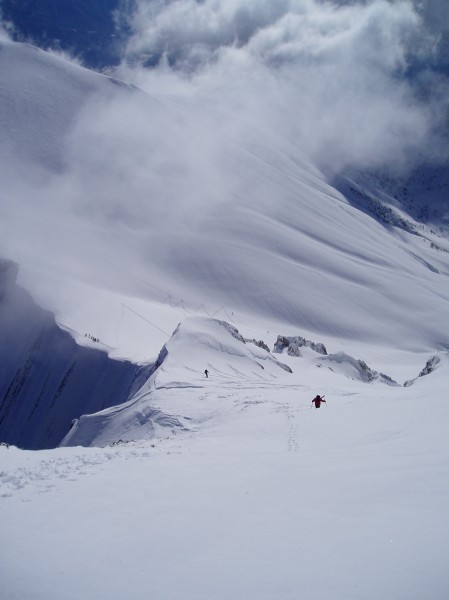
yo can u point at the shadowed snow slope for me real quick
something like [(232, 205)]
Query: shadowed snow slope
[(196, 343), (107, 189), (47, 380)]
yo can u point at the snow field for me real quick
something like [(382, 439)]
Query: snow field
[(266, 497)]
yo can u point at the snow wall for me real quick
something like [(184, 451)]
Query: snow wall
[(46, 379)]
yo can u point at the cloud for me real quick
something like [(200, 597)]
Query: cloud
[(334, 78), (140, 161), (189, 31), (435, 13), (305, 80), (6, 29), (192, 34)]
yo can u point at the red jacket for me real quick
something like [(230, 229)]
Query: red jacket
[(318, 401)]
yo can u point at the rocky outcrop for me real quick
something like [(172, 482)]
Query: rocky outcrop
[(354, 368), (293, 345), (430, 366)]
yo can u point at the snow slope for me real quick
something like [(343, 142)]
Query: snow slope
[(261, 497), (47, 380), (175, 397), (237, 220), (197, 342), (40, 95)]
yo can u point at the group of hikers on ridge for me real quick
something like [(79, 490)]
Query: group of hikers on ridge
[(317, 400)]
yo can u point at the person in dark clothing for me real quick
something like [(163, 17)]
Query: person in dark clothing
[(317, 400), (206, 372)]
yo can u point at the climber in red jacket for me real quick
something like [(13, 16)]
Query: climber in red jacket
[(317, 400)]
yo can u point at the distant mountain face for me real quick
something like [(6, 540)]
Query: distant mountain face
[(92, 31), (413, 203)]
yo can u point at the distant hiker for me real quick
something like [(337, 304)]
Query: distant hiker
[(206, 372), (317, 400)]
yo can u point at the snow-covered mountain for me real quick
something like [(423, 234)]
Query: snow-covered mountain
[(122, 233), (249, 210), (246, 223)]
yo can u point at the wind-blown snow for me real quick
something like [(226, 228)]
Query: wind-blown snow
[(244, 223)]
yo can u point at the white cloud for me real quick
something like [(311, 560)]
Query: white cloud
[(291, 29), (331, 77), (435, 12), (5, 29)]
